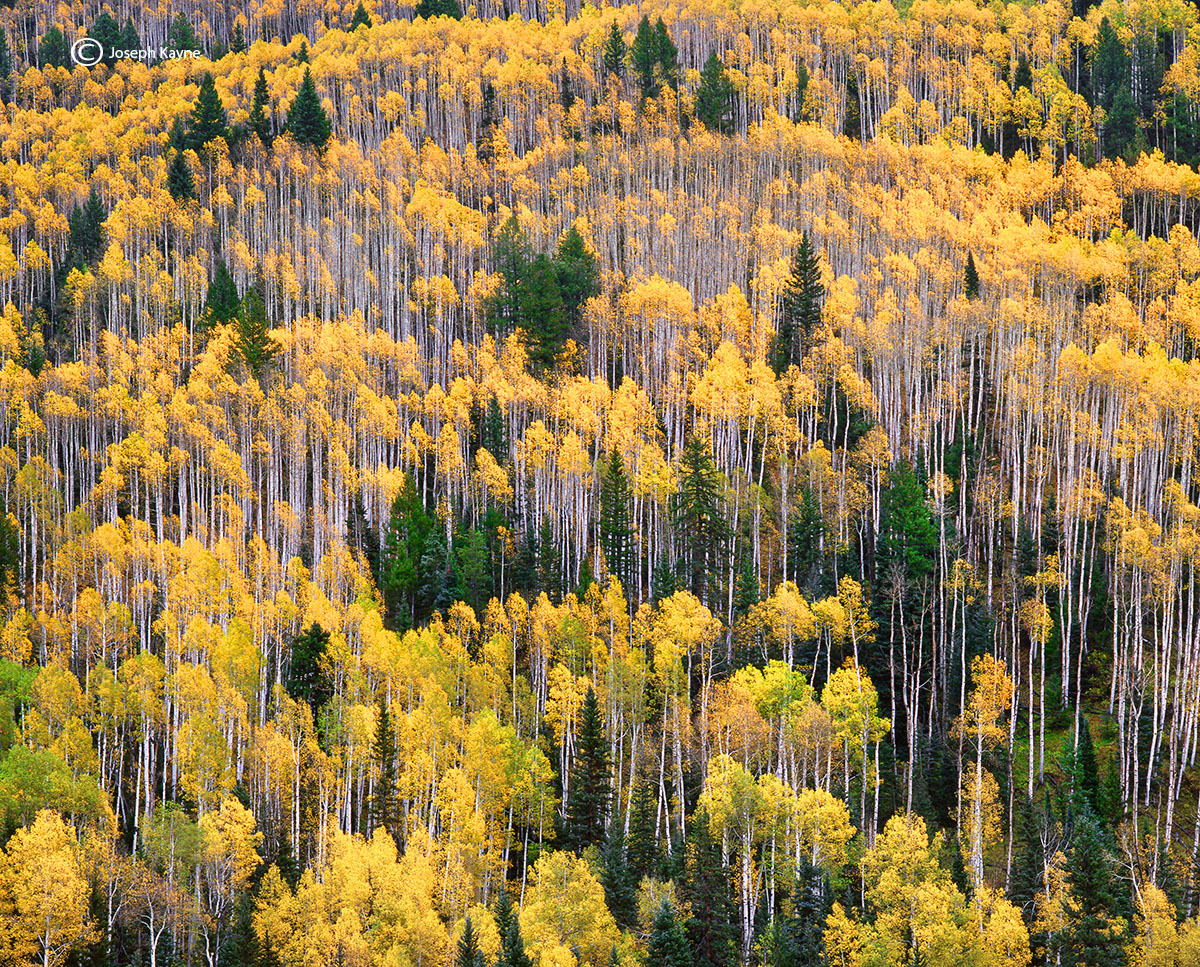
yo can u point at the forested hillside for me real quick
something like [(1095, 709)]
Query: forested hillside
[(686, 485)]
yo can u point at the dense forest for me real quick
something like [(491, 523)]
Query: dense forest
[(685, 485)]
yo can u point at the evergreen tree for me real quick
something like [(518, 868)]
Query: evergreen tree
[(511, 256), (1121, 134), (130, 40), (6, 69), (908, 538), (776, 945), (642, 854), (806, 532), (747, 592), (106, 31), (53, 50), (543, 315), (697, 511), (644, 59), (620, 889), (803, 111), (577, 272), (222, 303), (86, 240), (285, 862), (971, 278), (1110, 67), (469, 954), (400, 577), (1095, 929), (512, 946), (361, 18), (485, 148), (590, 786), (666, 55), (799, 309), (308, 678), (438, 8), (254, 340), (1085, 785), (181, 36), (1027, 878), (209, 120), (259, 121), (302, 53), (813, 903), (705, 890), (714, 97), (238, 43), (180, 183), (10, 557), (668, 946), (566, 94), (307, 121), (852, 123), (616, 530), (385, 808), (615, 50)]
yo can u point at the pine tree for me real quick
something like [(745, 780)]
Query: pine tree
[(511, 255), (776, 945), (254, 340), (107, 33), (438, 8), (852, 123), (813, 903), (302, 53), (590, 786), (238, 43), (469, 954), (543, 314), (668, 945), (130, 40), (285, 861), (181, 36), (616, 531), (6, 69), (644, 59), (971, 278), (52, 51), (620, 889), (697, 511), (705, 890), (512, 946), (180, 183), (489, 118), (361, 18), (615, 50), (566, 94), (209, 120), (1095, 928), (642, 854), (666, 55), (385, 811), (1085, 786), (714, 97), (400, 577), (308, 678), (800, 308), (576, 269), (260, 121), (1027, 878), (222, 304), (307, 121)]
